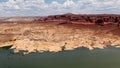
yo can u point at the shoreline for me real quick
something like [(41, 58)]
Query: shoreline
[(53, 37)]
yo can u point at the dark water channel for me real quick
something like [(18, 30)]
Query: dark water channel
[(79, 58)]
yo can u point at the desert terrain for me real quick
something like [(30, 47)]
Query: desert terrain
[(59, 32)]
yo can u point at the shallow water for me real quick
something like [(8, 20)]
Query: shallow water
[(79, 58)]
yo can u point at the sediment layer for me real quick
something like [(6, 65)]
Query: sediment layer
[(53, 37)]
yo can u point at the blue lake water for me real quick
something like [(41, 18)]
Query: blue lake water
[(79, 58)]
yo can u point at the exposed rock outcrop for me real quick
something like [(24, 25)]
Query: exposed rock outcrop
[(60, 32)]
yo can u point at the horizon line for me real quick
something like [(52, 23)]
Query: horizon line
[(59, 14)]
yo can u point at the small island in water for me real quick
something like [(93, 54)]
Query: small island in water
[(59, 32)]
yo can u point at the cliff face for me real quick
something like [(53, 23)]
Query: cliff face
[(54, 36), (85, 18)]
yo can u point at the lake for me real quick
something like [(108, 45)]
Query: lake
[(78, 58)]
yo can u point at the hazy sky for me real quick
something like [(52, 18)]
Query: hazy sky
[(48, 7)]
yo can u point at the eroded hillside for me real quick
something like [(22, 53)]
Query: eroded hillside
[(55, 36)]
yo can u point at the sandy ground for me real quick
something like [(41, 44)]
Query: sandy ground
[(53, 37)]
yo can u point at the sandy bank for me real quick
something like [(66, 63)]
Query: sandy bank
[(54, 38)]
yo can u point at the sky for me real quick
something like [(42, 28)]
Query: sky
[(11, 8)]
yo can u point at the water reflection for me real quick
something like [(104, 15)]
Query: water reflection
[(79, 58)]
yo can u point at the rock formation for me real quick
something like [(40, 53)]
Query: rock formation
[(60, 32)]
